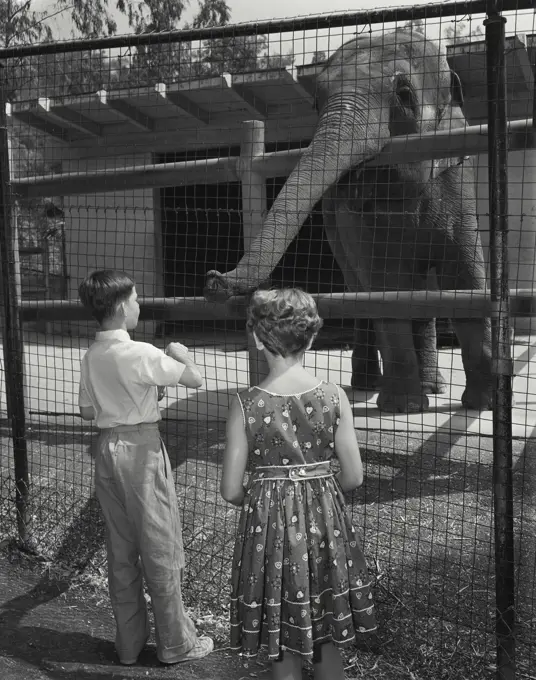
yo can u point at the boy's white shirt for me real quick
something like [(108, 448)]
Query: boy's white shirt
[(119, 377)]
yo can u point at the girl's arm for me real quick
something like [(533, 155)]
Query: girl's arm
[(235, 457), (347, 448)]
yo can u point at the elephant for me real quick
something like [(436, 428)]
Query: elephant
[(390, 228)]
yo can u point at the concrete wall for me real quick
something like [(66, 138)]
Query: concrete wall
[(521, 221), (113, 231)]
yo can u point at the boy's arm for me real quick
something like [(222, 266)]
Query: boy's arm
[(235, 456), (87, 412), (191, 376), (84, 402), (157, 368)]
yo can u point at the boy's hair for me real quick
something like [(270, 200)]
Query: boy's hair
[(103, 290), (284, 320)]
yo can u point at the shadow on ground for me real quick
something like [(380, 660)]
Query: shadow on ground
[(48, 632)]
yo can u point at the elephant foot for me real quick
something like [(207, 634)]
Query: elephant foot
[(433, 384), (477, 399), (401, 403), (220, 287), (434, 387), (365, 382)]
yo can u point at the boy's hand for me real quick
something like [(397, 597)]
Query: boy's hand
[(178, 352), (161, 392)]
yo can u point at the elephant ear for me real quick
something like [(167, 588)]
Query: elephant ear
[(452, 117), (456, 90)]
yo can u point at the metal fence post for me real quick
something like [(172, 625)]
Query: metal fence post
[(13, 345), (502, 358), (253, 213)]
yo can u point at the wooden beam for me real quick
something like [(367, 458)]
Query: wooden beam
[(253, 182), (183, 103), (307, 75), (448, 304), (522, 57), (134, 116), (31, 116), (62, 114), (468, 141), (129, 178), (302, 93), (253, 214), (253, 104)]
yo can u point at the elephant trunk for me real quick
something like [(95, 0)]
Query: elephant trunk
[(345, 136)]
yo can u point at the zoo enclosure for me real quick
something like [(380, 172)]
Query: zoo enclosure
[(251, 168)]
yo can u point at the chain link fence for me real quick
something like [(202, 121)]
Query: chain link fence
[(382, 161)]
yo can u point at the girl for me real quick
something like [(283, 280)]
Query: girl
[(299, 586)]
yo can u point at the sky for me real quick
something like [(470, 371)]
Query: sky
[(245, 10), (303, 46)]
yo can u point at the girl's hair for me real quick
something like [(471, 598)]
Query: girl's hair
[(284, 320), (103, 290)]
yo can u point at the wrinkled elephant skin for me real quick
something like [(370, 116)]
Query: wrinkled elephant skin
[(389, 227)]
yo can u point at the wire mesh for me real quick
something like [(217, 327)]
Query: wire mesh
[(132, 158)]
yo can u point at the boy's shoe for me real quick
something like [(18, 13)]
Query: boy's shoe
[(131, 662), (127, 662), (203, 646)]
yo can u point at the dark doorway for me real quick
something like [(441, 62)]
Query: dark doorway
[(202, 230)]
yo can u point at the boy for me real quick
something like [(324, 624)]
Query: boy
[(120, 381)]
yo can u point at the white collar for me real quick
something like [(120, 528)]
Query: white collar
[(118, 334)]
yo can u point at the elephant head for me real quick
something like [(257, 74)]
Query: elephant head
[(371, 89)]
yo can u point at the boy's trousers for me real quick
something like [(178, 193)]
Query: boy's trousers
[(135, 488)]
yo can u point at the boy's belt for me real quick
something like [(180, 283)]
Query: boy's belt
[(131, 428)]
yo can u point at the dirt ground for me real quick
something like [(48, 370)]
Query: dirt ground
[(48, 632), (426, 511)]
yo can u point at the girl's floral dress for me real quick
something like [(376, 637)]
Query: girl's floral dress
[(299, 575)]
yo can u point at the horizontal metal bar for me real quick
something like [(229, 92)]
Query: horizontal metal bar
[(453, 304), (203, 171), (309, 23), (468, 141)]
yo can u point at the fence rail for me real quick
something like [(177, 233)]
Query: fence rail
[(468, 141), (312, 23), (454, 304)]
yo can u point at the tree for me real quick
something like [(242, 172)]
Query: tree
[(416, 25), (462, 31), (242, 53), (319, 57), (75, 73), (181, 61), (19, 23)]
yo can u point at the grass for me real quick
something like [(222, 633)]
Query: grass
[(425, 510)]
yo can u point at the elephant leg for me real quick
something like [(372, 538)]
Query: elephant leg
[(425, 341), (400, 386), (474, 336), (401, 390), (366, 373)]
